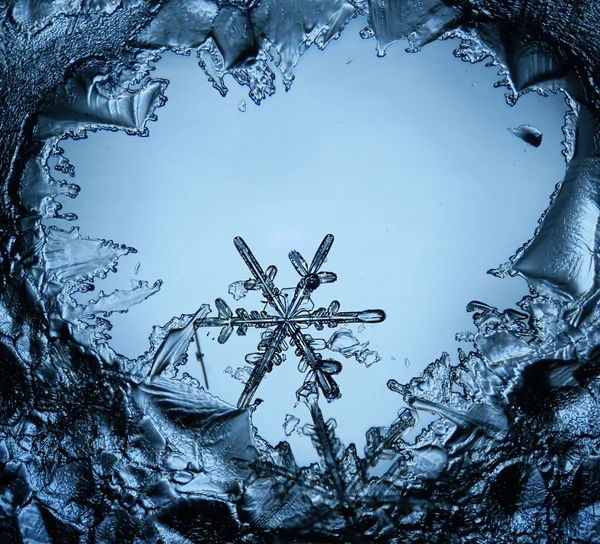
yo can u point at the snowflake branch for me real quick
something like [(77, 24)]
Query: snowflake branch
[(268, 289), (264, 365)]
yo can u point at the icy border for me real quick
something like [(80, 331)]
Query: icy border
[(516, 443)]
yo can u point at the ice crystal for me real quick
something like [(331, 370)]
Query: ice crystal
[(291, 315), (290, 424), (95, 447), (528, 134), (237, 290), (344, 342)]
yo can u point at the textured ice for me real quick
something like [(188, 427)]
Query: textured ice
[(290, 424), (95, 447), (237, 290), (528, 134), (241, 373), (344, 342)]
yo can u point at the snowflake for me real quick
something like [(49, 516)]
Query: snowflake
[(292, 314)]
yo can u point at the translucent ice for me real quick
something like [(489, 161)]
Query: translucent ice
[(237, 290), (344, 342), (95, 447), (290, 424), (528, 134), (292, 312)]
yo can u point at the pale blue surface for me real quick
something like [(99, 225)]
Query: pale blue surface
[(405, 159)]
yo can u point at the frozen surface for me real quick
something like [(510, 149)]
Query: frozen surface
[(98, 447), (411, 229)]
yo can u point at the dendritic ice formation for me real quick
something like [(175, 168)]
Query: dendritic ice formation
[(293, 313), (93, 450)]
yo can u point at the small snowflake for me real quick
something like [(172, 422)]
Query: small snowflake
[(293, 312)]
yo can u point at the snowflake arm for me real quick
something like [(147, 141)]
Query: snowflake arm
[(311, 277), (265, 281), (323, 369), (332, 318), (321, 254), (242, 319), (263, 365)]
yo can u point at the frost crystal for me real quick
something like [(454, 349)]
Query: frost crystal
[(528, 134), (95, 447), (344, 342), (292, 314), (237, 290), (290, 424)]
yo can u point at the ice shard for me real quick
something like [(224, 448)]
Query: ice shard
[(528, 134)]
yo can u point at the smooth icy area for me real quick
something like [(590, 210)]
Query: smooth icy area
[(407, 160)]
